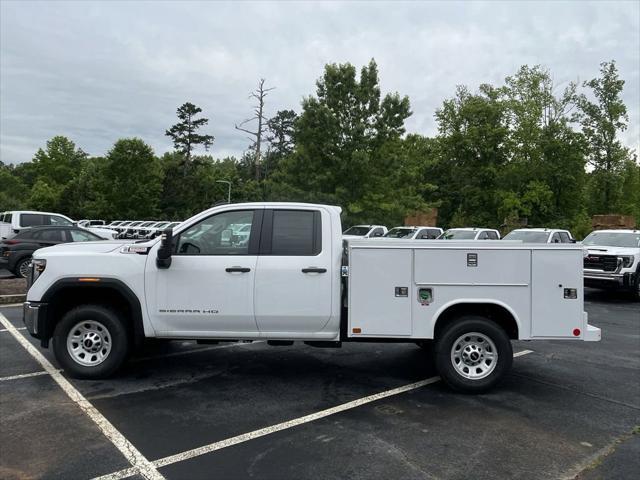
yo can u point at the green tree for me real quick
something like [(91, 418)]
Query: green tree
[(602, 119), (13, 192), (472, 141), (184, 133), (132, 180), (339, 137)]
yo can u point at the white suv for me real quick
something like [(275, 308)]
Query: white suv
[(470, 233), (12, 222), (612, 260)]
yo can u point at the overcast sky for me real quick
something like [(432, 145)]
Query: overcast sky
[(97, 71)]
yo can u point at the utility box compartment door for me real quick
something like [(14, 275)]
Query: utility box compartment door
[(553, 273), (380, 287)]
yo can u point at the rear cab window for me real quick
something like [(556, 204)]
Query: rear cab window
[(291, 233)]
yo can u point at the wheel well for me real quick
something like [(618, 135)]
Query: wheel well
[(66, 297), (495, 312)]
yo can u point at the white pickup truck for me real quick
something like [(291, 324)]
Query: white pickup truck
[(294, 279)]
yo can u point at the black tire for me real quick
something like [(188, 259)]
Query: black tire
[(21, 267), (454, 334), (113, 333)]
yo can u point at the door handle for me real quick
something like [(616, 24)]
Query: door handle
[(237, 269), (314, 270)]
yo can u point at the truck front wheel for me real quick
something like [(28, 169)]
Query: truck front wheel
[(90, 341), (473, 354)]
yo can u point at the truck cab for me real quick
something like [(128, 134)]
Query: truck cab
[(292, 279)]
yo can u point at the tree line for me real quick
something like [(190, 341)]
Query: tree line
[(523, 152)]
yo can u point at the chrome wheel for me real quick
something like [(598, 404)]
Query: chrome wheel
[(23, 268), (474, 355), (89, 343)]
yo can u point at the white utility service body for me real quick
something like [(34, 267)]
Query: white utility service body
[(294, 278), (527, 280)]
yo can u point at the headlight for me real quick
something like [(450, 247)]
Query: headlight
[(627, 260), (39, 264)]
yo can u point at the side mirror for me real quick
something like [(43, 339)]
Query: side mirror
[(573, 240), (166, 248)]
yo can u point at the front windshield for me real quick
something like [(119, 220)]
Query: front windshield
[(357, 231), (613, 239), (400, 232), (455, 234), (528, 236)]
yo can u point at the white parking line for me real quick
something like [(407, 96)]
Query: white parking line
[(212, 447), (140, 463), (17, 328), (24, 375), (521, 353)]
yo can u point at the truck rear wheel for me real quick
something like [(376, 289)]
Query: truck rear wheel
[(473, 354), (91, 342)]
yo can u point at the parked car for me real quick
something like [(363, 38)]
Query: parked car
[(289, 283), (16, 252), (364, 231), (414, 233), (127, 230), (612, 260), (13, 222), (470, 233), (91, 223), (540, 235), (142, 230)]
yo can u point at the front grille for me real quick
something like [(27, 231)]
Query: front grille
[(606, 263)]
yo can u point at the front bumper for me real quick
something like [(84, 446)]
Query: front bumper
[(34, 317), (600, 279)]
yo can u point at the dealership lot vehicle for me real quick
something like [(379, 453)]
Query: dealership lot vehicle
[(540, 235), (283, 283), (613, 260), (16, 252), (250, 411), (365, 231), (471, 233), (414, 233), (13, 222)]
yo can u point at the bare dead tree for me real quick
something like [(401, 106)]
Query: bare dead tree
[(259, 94)]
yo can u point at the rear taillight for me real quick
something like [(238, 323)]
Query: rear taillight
[(11, 242)]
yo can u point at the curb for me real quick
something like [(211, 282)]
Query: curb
[(5, 299)]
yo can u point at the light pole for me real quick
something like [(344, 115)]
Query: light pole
[(229, 191)]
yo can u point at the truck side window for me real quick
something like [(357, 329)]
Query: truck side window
[(296, 232), (492, 235), (225, 233), (565, 237), (555, 238)]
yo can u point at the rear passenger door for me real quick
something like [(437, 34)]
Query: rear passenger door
[(294, 272)]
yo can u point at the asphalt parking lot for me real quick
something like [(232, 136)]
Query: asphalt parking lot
[(567, 410)]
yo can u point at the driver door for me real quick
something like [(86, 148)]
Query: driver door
[(208, 289)]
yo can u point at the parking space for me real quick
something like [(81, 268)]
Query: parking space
[(249, 410)]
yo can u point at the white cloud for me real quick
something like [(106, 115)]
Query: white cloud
[(99, 71)]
